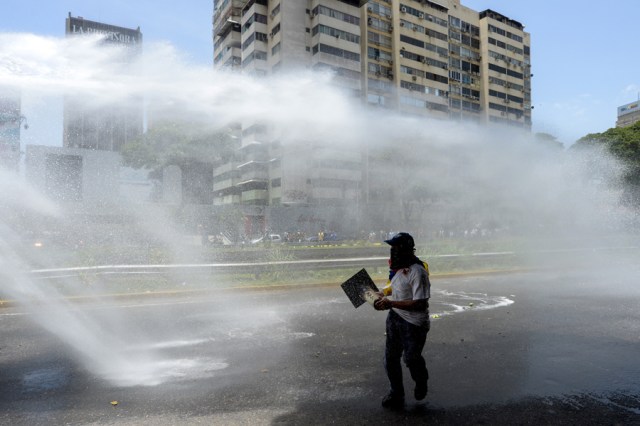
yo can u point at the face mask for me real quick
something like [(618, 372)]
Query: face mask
[(400, 258)]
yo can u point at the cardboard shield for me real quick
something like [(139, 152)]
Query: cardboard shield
[(359, 288)]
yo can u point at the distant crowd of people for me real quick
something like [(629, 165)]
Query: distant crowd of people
[(332, 236)]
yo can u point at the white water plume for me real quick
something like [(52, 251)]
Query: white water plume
[(102, 349), (470, 175)]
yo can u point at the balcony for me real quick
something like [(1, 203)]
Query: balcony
[(225, 186), (227, 26), (256, 195), (226, 200), (254, 175)]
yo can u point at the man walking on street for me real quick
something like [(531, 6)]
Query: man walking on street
[(408, 319)]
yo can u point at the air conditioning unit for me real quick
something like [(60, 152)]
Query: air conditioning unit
[(390, 62), (370, 8), (391, 28), (421, 15), (414, 78), (401, 23), (403, 9)]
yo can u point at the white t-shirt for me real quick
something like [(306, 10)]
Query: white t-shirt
[(412, 283)]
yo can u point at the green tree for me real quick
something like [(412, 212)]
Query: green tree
[(548, 140), (624, 144), (178, 143)]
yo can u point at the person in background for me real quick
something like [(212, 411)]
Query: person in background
[(408, 320)]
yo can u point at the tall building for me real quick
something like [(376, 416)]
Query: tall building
[(109, 124), (628, 114), (419, 57), (11, 120)]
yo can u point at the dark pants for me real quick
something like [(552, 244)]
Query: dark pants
[(406, 341)]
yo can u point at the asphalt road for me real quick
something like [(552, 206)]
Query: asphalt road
[(554, 347)]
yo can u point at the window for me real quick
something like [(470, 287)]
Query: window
[(248, 41), (339, 52), (412, 41), (336, 33), (437, 107), (411, 101), (275, 30), (323, 10), (379, 9), (376, 99), (378, 54), (380, 85), (379, 39), (414, 87)]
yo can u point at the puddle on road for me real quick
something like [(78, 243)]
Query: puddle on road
[(44, 380), (445, 303)]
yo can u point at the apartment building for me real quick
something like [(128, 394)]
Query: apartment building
[(418, 57), (262, 38), (442, 59)]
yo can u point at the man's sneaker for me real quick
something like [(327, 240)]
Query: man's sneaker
[(420, 392), (393, 401)]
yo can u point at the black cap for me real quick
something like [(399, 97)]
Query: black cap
[(401, 239)]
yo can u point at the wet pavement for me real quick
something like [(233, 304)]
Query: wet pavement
[(552, 347)]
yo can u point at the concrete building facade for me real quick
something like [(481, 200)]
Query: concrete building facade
[(90, 181), (84, 178), (628, 114)]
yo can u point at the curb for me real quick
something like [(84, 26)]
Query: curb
[(8, 303)]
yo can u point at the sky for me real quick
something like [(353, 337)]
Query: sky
[(583, 60)]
